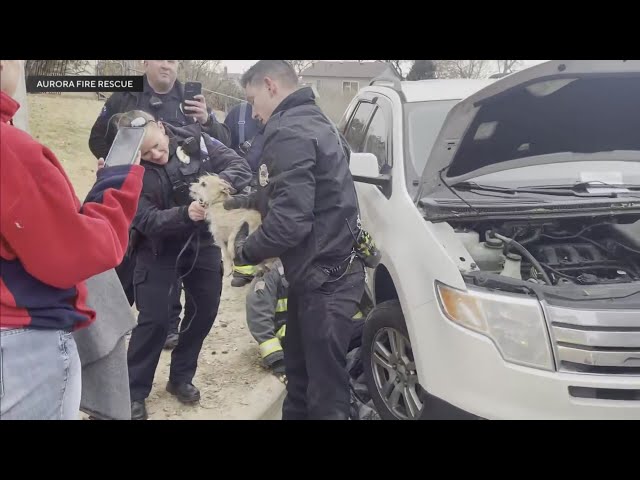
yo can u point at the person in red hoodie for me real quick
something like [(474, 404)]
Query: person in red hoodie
[(49, 245)]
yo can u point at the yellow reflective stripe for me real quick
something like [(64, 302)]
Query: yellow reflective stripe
[(245, 269), (270, 346), (281, 332), (282, 305), (358, 315)]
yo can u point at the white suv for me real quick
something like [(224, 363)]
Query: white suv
[(507, 213)]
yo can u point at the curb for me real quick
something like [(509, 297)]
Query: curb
[(274, 410), (263, 403)]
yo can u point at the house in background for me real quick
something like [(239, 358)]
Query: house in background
[(335, 83), (343, 77)]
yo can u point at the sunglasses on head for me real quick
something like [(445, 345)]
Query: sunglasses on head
[(140, 122)]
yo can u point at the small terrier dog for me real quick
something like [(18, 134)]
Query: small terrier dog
[(211, 191)]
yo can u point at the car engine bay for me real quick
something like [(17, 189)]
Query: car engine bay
[(555, 252)]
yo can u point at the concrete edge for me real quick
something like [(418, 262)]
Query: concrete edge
[(274, 410), (263, 403)]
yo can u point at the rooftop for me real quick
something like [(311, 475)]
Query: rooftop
[(345, 69), (441, 89)]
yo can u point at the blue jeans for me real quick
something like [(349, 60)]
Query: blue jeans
[(40, 375)]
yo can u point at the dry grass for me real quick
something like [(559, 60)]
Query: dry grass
[(63, 124)]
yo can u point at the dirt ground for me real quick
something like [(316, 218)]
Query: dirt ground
[(229, 364)]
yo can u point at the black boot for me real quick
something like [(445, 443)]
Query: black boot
[(185, 392), (138, 410)]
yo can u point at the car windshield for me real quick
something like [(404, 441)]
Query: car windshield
[(423, 121)]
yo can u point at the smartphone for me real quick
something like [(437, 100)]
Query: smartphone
[(125, 146), (191, 89)]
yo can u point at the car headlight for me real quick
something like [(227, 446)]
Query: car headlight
[(515, 323)]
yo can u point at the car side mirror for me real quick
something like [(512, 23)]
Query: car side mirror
[(364, 169), (364, 164)]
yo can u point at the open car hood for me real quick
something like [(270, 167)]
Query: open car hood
[(553, 112)]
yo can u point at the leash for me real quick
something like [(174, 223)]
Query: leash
[(181, 277)]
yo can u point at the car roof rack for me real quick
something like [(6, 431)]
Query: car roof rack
[(390, 80)]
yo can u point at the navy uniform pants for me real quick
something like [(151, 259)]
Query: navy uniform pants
[(153, 279)]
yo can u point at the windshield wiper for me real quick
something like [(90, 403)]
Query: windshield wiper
[(576, 190), (593, 184)]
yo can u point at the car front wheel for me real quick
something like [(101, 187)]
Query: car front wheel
[(389, 365)]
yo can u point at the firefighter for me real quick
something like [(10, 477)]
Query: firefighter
[(267, 302), (307, 199), (267, 315)]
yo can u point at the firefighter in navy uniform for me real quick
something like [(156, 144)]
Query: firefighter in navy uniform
[(242, 126), (308, 202), (172, 244), (246, 139), (162, 97)]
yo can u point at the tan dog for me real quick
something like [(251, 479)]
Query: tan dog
[(211, 191)]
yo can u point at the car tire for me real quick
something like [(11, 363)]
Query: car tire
[(389, 365)]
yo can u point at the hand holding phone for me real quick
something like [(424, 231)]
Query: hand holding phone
[(191, 89), (125, 149), (195, 103)]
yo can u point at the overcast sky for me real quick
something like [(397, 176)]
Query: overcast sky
[(239, 66)]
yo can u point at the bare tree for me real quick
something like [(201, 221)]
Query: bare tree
[(462, 68), (56, 67), (508, 66), (301, 65), (397, 66), (198, 70)]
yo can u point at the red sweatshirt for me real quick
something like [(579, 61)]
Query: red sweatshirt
[(50, 243)]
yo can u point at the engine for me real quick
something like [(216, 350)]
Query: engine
[(556, 252)]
